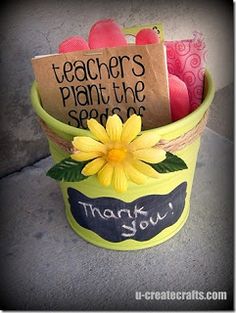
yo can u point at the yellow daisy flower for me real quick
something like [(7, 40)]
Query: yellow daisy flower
[(117, 155)]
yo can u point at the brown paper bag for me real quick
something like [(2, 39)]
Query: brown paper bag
[(80, 85)]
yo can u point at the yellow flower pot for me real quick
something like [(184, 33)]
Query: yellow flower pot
[(145, 215)]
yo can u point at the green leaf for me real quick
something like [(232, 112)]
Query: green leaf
[(67, 170), (172, 163)]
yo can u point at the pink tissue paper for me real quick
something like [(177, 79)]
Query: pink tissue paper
[(187, 60)]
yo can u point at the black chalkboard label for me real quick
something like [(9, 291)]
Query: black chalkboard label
[(116, 220)]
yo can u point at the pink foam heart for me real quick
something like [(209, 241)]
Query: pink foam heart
[(179, 98), (74, 43), (106, 33), (146, 36)]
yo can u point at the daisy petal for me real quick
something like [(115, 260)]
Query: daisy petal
[(151, 155), (146, 140), (145, 169), (105, 175), (114, 127), (85, 156), (131, 128), (119, 180), (98, 130), (87, 144), (136, 176), (93, 167)]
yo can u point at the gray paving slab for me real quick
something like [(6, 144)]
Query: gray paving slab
[(30, 28), (222, 109), (46, 266)]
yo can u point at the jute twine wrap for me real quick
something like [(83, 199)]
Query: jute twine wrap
[(173, 145)]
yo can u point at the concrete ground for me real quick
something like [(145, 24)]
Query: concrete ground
[(46, 266)]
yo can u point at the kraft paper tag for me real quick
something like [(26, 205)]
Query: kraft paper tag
[(80, 85)]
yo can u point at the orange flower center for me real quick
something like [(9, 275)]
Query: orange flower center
[(116, 155)]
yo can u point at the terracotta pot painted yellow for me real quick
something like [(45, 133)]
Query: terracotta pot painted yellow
[(145, 215)]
